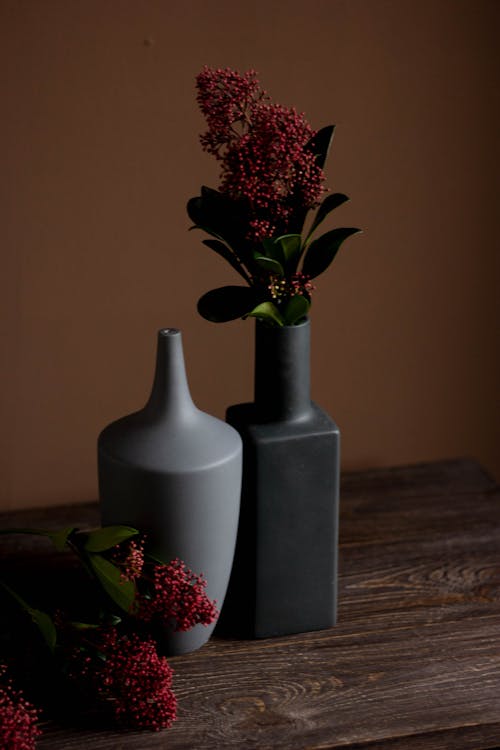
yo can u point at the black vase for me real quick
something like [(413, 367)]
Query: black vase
[(284, 577), (174, 472)]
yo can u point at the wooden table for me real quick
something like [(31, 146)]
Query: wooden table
[(414, 661)]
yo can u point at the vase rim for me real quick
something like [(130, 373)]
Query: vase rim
[(302, 324), (169, 332)]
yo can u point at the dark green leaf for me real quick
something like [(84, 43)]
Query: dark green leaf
[(122, 592), (208, 193), (205, 210), (269, 264), (320, 144), (207, 230), (322, 251), (155, 558), (266, 311), (329, 204), (59, 538), (284, 249), (45, 626), (224, 218), (198, 212), (296, 309), (273, 249), (291, 246), (100, 540), (41, 619), (225, 252), (226, 303)]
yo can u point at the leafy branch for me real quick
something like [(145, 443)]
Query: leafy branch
[(88, 547), (274, 261)]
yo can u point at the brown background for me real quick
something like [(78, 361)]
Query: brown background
[(100, 154)]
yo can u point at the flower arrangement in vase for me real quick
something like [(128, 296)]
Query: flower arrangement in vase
[(271, 178), (284, 577)]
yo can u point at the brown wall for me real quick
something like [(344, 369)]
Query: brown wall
[(100, 153)]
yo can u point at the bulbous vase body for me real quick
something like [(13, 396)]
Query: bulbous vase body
[(174, 473)]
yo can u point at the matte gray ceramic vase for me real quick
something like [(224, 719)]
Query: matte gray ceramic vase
[(284, 576), (174, 472)]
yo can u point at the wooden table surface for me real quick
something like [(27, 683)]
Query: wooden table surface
[(413, 663)]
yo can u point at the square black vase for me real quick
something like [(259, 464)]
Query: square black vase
[(284, 577)]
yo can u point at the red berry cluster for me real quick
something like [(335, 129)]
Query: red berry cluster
[(129, 675), (298, 284), (18, 719), (262, 149), (130, 559), (224, 96), (177, 596)]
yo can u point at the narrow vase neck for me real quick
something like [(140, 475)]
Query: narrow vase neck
[(282, 372), (170, 394)]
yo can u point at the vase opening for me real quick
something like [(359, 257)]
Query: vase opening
[(169, 331)]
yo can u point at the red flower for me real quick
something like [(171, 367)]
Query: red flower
[(262, 147), (130, 676), (177, 596), (18, 718), (224, 97), (129, 558)]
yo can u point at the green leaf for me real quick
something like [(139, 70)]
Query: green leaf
[(102, 539), (291, 245), (207, 230), (199, 213), (225, 252), (273, 249), (284, 250), (120, 591), (268, 312), (41, 619), (45, 626), (226, 303), (269, 264), (155, 558), (224, 218), (329, 204), (207, 213), (296, 309), (322, 251), (59, 538), (320, 144), (208, 193)]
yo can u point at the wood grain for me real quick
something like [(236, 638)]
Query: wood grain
[(413, 663)]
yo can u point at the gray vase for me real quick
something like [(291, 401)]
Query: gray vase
[(174, 472)]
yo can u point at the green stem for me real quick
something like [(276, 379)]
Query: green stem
[(84, 560), (17, 530), (41, 619), (15, 596), (59, 538)]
